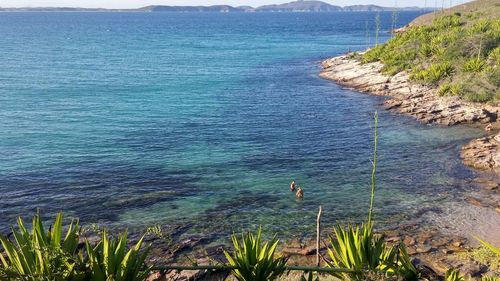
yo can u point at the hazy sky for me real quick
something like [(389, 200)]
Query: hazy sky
[(254, 3)]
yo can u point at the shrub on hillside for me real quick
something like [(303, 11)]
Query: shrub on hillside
[(449, 89), (474, 65), (452, 48), (433, 73), (481, 96)]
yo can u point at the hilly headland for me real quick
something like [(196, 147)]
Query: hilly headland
[(295, 6)]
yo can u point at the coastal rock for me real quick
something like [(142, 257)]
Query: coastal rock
[(185, 275), (304, 251), (409, 241), (423, 249), (157, 276), (482, 153), (473, 269), (393, 239), (436, 265), (419, 101), (475, 202)]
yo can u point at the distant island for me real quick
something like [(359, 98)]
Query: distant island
[(296, 6)]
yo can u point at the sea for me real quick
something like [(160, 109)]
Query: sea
[(200, 121)]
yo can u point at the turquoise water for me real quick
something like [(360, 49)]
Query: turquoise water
[(202, 120)]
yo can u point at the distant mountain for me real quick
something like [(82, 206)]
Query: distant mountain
[(375, 8), (215, 8), (366, 8), (300, 6), (54, 9), (296, 6)]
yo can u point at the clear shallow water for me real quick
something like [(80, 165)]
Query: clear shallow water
[(202, 120)]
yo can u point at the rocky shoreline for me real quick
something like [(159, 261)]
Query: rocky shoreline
[(418, 101)]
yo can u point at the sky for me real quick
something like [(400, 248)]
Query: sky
[(124, 4)]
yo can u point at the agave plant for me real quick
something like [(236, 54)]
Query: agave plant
[(110, 261), (490, 278), (37, 254), (404, 266), (489, 246), (359, 249), (453, 275), (356, 248), (254, 260), (474, 65)]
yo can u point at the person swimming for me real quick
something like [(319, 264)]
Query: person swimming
[(299, 193), (292, 186)]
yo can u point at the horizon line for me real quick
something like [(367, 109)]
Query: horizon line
[(163, 5)]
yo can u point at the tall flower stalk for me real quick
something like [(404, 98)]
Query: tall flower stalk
[(374, 166)]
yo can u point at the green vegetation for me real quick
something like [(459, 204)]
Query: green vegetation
[(358, 248), (490, 278), (453, 275), (482, 255), (254, 260), (492, 248), (109, 260), (458, 53), (37, 255), (447, 89)]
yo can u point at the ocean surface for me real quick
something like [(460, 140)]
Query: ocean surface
[(202, 120)]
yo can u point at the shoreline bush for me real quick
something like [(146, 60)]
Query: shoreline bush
[(40, 255), (453, 49)]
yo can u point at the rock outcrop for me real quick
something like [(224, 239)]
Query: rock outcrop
[(483, 153), (419, 101)]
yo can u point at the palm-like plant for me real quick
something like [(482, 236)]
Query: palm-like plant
[(254, 260), (474, 65), (405, 267), (110, 261), (37, 254), (490, 278), (357, 248), (453, 275)]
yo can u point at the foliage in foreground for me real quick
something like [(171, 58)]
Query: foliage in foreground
[(255, 260), (458, 53), (455, 275), (359, 249), (109, 260), (492, 248), (37, 254)]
